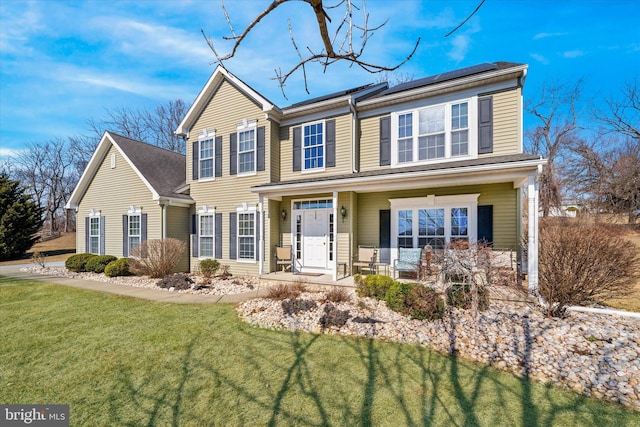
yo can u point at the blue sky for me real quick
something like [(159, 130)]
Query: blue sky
[(65, 62)]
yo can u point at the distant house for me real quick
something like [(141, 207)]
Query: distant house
[(128, 193), (429, 161)]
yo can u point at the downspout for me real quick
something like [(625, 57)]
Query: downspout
[(163, 214), (354, 122)]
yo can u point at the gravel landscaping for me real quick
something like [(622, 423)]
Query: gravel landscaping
[(596, 355)]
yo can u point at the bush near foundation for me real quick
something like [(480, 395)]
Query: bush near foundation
[(582, 264), (98, 263), (209, 268), (117, 268), (373, 285), (415, 300), (157, 257), (77, 263)]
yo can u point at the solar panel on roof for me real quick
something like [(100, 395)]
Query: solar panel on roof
[(438, 78)]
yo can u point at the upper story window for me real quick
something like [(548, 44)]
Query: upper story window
[(206, 155), (431, 133), (246, 150), (313, 146)]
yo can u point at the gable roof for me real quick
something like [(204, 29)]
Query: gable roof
[(217, 77), (161, 170)]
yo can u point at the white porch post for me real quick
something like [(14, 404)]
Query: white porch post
[(334, 263), (261, 237), (532, 247)]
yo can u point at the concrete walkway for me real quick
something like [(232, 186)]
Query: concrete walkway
[(132, 291)]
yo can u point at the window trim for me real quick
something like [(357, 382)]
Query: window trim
[(206, 211), (242, 210), (415, 109), (207, 135), (94, 215), (247, 126), (134, 211), (303, 168), (469, 201)]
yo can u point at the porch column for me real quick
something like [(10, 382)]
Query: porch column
[(261, 236), (532, 247), (334, 264)]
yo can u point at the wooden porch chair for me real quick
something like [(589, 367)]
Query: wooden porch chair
[(365, 259), (283, 257)]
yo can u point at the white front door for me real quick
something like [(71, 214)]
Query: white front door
[(314, 241)]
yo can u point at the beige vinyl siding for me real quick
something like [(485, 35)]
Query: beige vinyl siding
[(343, 151), (113, 191), (178, 227), (503, 197), (344, 227), (273, 156), (507, 114), (228, 107), (272, 233), (370, 143)]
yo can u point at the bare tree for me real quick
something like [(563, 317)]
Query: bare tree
[(623, 115), (556, 110), (339, 27)]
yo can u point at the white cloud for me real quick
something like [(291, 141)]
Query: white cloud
[(9, 152), (547, 35), (459, 47), (18, 26), (539, 58), (573, 53)]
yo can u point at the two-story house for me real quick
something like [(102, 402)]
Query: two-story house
[(424, 162)]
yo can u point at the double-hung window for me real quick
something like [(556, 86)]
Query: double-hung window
[(206, 159), (206, 237), (94, 235), (135, 231), (246, 150), (246, 236), (313, 146), (431, 133)]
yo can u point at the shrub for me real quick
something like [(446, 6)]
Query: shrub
[(209, 267), (39, 258), (295, 306), (299, 286), (177, 281), (225, 274), (77, 263), (337, 295), (282, 291), (119, 267), (157, 257), (415, 301), (334, 317), (97, 263), (373, 285), (460, 295), (582, 264)]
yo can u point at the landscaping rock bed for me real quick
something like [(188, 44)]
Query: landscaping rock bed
[(596, 355), (214, 286)]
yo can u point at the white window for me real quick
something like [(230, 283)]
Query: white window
[(207, 233), (206, 154), (433, 220), (135, 231), (313, 146), (94, 235), (433, 133), (247, 151), (246, 236)]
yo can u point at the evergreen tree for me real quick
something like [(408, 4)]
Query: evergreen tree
[(20, 219)]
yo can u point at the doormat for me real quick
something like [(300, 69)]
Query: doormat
[(308, 274)]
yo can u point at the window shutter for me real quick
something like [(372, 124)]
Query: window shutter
[(485, 125), (194, 236), (260, 148), (297, 147), (87, 244), (257, 237), (218, 236), (102, 235), (125, 235), (233, 156), (218, 156), (330, 141), (195, 157), (485, 224), (385, 141), (143, 228), (232, 235), (385, 235)]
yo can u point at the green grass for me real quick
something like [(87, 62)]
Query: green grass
[(121, 361)]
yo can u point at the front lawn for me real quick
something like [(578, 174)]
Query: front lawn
[(122, 361)]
